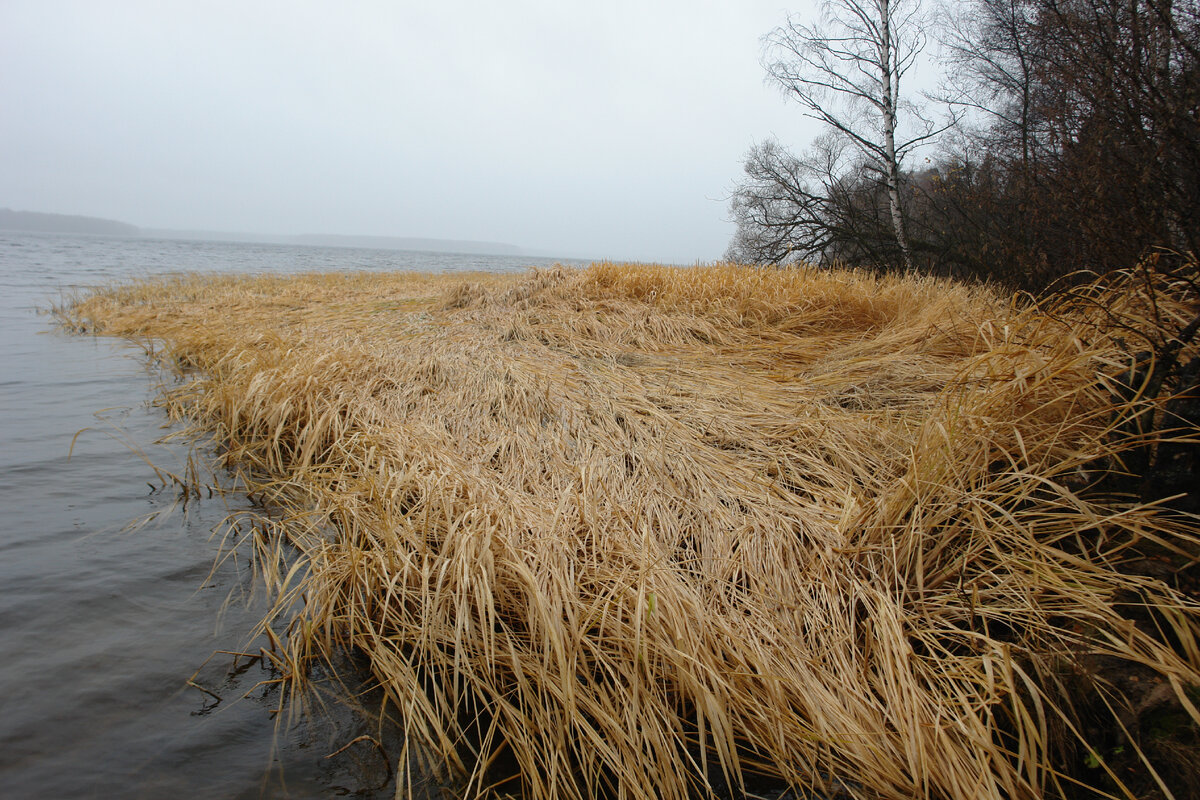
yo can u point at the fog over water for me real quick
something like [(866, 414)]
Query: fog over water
[(593, 130)]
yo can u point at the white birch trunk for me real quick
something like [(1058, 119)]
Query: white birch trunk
[(888, 80)]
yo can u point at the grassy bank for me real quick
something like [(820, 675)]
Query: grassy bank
[(612, 531)]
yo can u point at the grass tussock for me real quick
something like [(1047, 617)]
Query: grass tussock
[(619, 531)]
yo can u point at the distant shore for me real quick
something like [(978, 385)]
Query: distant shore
[(40, 222), (37, 222)]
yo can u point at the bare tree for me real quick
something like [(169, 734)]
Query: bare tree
[(995, 62), (788, 208), (847, 71)]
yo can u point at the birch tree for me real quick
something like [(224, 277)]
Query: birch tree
[(847, 71)]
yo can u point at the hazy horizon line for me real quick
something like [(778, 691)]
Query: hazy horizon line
[(27, 221)]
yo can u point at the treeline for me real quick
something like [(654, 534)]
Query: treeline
[(1067, 137), (38, 222)]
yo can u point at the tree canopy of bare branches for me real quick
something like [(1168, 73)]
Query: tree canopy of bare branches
[(847, 71), (1076, 140)]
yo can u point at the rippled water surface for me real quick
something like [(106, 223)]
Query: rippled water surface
[(102, 626)]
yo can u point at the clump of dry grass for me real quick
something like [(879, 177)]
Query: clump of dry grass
[(625, 527)]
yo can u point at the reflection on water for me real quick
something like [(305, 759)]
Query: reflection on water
[(101, 627)]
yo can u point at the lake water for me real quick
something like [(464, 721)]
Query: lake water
[(102, 626)]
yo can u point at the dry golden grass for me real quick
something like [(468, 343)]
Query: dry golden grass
[(627, 527)]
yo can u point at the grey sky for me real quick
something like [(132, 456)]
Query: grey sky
[(604, 130)]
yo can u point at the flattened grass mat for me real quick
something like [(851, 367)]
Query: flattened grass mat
[(628, 528)]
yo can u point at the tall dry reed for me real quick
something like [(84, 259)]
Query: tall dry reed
[(621, 530)]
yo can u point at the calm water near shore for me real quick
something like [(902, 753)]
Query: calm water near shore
[(101, 626)]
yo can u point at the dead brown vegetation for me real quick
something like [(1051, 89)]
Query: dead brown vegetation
[(628, 527)]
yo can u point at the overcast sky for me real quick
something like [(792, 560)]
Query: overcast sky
[(608, 129)]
